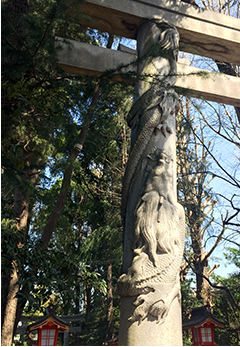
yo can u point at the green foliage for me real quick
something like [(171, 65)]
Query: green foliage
[(227, 312), (10, 242), (225, 308), (189, 301), (233, 256), (196, 196), (36, 94), (94, 326), (43, 110)]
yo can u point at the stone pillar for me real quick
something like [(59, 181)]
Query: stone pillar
[(154, 226)]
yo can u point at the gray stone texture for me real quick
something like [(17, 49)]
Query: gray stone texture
[(154, 227), (84, 59), (203, 32)]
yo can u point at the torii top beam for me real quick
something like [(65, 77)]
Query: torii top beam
[(202, 32)]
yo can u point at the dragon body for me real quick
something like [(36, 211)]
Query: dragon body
[(148, 113), (152, 218)]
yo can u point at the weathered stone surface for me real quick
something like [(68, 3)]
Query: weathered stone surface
[(154, 226), (85, 59), (211, 86), (149, 333), (202, 32)]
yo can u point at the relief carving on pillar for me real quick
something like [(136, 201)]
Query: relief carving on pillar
[(153, 220)]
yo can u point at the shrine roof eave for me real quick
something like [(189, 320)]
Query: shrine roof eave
[(197, 324), (199, 317), (51, 319)]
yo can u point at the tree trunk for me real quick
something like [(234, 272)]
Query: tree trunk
[(200, 262), (88, 299), (203, 289), (109, 303), (77, 300), (11, 286), (10, 309)]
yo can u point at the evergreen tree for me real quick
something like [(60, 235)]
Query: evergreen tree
[(38, 126), (227, 303)]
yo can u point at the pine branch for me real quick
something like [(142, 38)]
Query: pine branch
[(47, 30), (56, 213)]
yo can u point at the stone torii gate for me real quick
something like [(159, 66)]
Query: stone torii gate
[(153, 220)]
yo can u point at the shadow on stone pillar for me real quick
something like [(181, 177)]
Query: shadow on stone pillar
[(153, 220)]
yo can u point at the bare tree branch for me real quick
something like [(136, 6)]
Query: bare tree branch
[(219, 238), (216, 161), (214, 285)]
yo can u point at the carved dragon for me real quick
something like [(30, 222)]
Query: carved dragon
[(153, 116), (158, 219), (151, 109), (158, 247)]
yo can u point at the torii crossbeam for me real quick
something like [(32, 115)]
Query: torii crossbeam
[(83, 59)]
